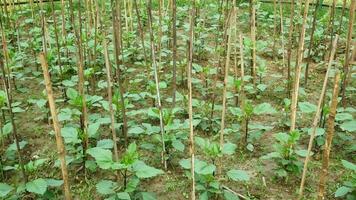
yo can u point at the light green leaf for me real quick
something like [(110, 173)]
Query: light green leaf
[(7, 128), (93, 129), (5, 189), (54, 182), (144, 171), (103, 157), (303, 153), (177, 144), (238, 175), (230, 196), (348, 165), (343, 117), (229, 148), (123, 196), (136, 130), (106, 187), (203, 168), (342, 191), (71, 93), (38, 186), (105, 144), (148, 196), (264, 108), (307, 107), (349, 126), (70, 135)]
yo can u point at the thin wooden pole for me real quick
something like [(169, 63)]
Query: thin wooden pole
[(117, 29), (253, 38), (348, 52), (316, 118), (298, 70), (57, 128), (289, 50), (311, 44), (329, 138), (174, 50), (190, 94), (155, 68)]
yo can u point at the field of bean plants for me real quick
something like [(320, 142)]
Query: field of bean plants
[(177, 99)]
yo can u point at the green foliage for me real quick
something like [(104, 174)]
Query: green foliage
[(286, 154)]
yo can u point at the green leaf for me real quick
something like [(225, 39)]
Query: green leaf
[(229, 148), (303, 153), (71, 93), (144, 171), (264, 108), (123, 196), (261, 87), (132, 184), (343, 117), (54, 182), (177, 144), (282, 137), (318, 131), (203, 168), (105, 144), (5, 189), (38, 186), (230, 196), (136, 130), (7, 129), (70, 135), (148, 196), (342, 191), (348, 165), (204, 196), (238, 175), (106, 187), (93, 129), (349, 126), (307, 107), (102, 157)]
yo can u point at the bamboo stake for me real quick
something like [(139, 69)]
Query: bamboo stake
[(348, 52), (274, 28), (84, 116), (342, 16), (174, 50), (155, 68), (311, 44), (282, 34), (300, 53), (57, 128), (289, 50), (253, 38), (329, 137), (116, 16), (56, 38), (142, 35), (190, 94), (226, 74), (316, 118)]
